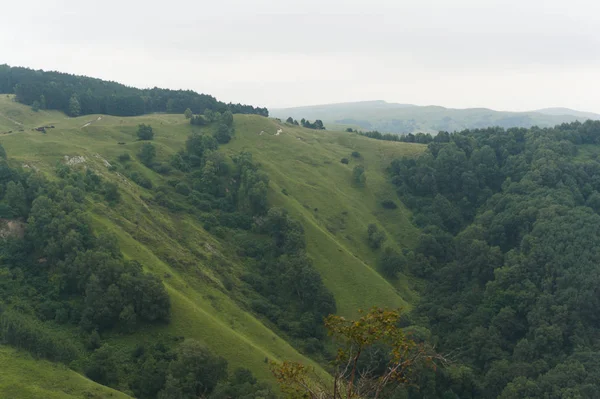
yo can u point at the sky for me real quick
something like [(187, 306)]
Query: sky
[(506, 55)]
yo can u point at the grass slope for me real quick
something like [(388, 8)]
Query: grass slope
[(23, 377), (403, 118), (177, 248)]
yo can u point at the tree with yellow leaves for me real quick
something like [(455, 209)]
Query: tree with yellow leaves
[(378, 327)]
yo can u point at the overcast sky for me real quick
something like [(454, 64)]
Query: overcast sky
[(507, 55)]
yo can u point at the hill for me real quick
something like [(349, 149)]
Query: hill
[(201, 269), (27, 378), (405, 118)]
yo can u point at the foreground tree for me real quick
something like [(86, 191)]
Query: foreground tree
[(376, 330)]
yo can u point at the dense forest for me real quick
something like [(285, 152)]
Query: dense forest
[(509, 251), (80, 95)]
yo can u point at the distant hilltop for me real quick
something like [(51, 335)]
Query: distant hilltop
[(409, 118)]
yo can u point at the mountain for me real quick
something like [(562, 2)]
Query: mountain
[(568, 111), (405, 118), (190, 240)]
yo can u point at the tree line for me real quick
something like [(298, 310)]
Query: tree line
[(509, 252), (81, 95), (421, 138), (316, 125)]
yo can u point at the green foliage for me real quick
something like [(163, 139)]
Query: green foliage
[(198, 120), (358, 175), (345, 161), (223, 134), (188, 113), (80, 95), (375, 236), (147, 154), (227, 118), (124, 157), (508, 250), (35, 107), (317, 124), (355, 154), (27, 333), (74, 106), (388, 204), (111, 193), (60, 272), (390, 262), (145, 132)]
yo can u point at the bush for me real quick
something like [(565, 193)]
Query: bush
[(147, 154), (355, 154), (162, 168), (140, 180), (375, 237), (390, 262), (111, 193), (145, 132), (345, 161), (26, 333), (182, 189), (388, 204), (124, 157), (358, 175)]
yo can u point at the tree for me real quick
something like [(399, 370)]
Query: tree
[(147, 154), (227, 118), (195, 373), (209, 115), (223, 134), (390, 262), (145, 132), (111, 193), (15, 197), (376, 329), (290, 120), (35, 107), (358, 175), (74, 106), (188, 113), (42, 102), (2, 152), (375, 237)]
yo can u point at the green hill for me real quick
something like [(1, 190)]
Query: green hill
[(25, 377), (405, 118), (306, 177)]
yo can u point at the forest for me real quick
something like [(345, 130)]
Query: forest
[(509, 254), (81, 95)]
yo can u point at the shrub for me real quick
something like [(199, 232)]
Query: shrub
[(344, 161), (124, 157), (389, 204), (145, 132), (355, 154), (140, 180), (375, 237)]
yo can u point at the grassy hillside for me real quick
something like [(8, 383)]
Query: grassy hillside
[(24, 377), (318, 188), (402, 118)]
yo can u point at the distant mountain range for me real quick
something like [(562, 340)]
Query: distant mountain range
[(408, 118)]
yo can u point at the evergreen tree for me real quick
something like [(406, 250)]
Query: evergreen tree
[(74, 106)]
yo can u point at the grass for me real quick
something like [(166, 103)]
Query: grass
[(304, 163), (23, 377)]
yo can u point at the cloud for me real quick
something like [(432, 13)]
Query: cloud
[(428, 51)]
